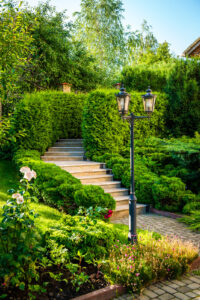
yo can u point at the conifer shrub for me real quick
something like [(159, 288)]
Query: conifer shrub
[(105, 132), (58, 188), (47, 116)]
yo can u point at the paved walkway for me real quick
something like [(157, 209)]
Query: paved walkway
[(188, 287)]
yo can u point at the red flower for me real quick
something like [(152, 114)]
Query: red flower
[(109, 214)]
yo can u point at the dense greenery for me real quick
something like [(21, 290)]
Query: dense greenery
[(48, 116), (183, 88), (166, 172), (60, 189), (103, 129)]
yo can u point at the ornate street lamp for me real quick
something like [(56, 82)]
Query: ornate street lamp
[(123, 101)]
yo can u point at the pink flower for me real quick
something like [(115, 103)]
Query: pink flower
[(117, 267), (131, 267), (137, 274), (25, 169), (19, 198), (29, 175)]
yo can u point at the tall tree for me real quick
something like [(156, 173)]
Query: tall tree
[(99, 27), (143, 47), (15, 49)]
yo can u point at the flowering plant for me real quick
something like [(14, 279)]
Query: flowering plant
[(19, 250)]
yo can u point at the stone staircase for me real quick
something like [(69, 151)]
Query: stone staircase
[(69, 155)]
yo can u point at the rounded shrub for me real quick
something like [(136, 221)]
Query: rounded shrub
[(91, 195)]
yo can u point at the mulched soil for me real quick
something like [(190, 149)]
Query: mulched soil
[(61, 290), (195, 264)]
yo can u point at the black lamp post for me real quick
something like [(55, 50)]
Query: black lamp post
[(123, 101)]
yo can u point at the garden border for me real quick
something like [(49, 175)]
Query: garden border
[(106, 293), (165, 213)]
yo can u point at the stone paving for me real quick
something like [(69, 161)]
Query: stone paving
[(188, 287)]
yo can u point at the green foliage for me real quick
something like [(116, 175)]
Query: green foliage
[(60, 189), (90, 195), (168, 193), (183, 88), (103, 129), (8, 136), (98, 25), (9, 176), (48, 116), (20, 241), (136, 266), (193, 220), (78, 233), (15, 51), (139, 77)]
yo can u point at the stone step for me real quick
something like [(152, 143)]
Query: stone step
[(107, 184), (61, 153), (122, 211), (69, 144), (70, 140), (91, 172), (117, 192), (65, 149), (95, 179), (82, 166), (122, 200), (61, 158)]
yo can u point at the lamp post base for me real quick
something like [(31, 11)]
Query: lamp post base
[(132, 236)]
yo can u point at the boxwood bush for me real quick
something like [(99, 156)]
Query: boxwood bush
[(58, 188), (48, 116)]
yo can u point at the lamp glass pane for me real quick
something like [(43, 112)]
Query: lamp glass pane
[(127, 101), (149, 105)]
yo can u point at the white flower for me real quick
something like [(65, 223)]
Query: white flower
[(19, 198), (29, 175), (15, 196), (25, 169)]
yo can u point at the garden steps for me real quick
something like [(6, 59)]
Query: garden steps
[(69, 156)]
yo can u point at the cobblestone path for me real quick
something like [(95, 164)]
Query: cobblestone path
[(188, 287)]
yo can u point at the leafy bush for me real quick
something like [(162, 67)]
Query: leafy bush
[(90, 195), (168, 193), (183, 88), (48, 116), (60, 189), (135, 266)]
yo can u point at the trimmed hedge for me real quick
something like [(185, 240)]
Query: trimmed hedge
[(105, 132), (139, 77), (58, 188), (48, 116)]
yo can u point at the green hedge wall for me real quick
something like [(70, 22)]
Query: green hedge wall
[(138, 78), (105, 131), (47, 116)]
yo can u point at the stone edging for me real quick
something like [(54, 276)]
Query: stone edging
[(106, 293), (165, 213)]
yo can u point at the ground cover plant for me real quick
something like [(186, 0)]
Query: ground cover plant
[(166, 172)]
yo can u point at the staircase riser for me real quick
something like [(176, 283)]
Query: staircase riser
[(62, 158), (68, 145), (94, 180), (51, 153), (122, 202), (90, 173), (120, 193), (71, 140), (83, 168), (117, 215), (65, 149), (109, 186)]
